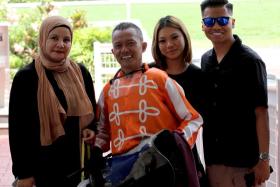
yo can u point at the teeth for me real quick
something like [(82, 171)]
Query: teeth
[(126, 57), (217, 33)]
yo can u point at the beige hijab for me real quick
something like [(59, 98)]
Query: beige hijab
[(69, 79)]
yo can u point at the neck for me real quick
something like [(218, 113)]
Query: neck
[(131, 71), (130, 67), (120, 73), (176, 67), (222, 49)]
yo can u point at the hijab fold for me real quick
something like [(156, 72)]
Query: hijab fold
[(69, 79)]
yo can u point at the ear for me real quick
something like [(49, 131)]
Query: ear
[(144, 46), (112, 50), (233, 22), (202, 27)]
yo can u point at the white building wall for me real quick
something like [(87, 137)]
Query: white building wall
[(4, 60)]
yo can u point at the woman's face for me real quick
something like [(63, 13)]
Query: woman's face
[(171, 43), (58, 44)]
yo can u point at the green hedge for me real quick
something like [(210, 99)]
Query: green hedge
[(82, 48)]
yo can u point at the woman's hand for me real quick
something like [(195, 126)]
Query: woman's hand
[(28, 182), (89, 136)]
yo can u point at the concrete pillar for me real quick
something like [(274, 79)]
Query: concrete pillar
[(4, 60)]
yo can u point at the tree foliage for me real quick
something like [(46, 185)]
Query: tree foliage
[(3, 10), (82, 48), (24, 32)]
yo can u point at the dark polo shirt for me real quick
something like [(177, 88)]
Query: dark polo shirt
[(235, 87)]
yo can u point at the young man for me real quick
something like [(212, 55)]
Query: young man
[(236, 133), (140, 101)]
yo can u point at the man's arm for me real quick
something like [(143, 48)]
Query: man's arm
[(103, 128), (190, 119), (262, 126)]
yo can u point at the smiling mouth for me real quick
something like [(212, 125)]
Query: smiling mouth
[(217, 33), (172, 51), (126, 57)]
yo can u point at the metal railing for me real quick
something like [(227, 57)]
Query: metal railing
[(274, 120)]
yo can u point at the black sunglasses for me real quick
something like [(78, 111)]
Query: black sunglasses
[(210, 22)]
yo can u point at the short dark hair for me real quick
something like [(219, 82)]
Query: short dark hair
[(126, 25), (216, 3)]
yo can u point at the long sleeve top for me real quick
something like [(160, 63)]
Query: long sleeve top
[(30, 159), (135, 107)]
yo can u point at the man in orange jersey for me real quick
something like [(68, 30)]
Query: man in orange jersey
[(140, 101)]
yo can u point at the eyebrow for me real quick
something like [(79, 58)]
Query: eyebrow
[(54, 34), (172, 34)]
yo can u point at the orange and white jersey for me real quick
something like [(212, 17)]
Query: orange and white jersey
[(134, 107)]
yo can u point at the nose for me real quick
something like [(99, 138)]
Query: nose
[(216, 24), (124, 49), (169, 44), (60, 43)]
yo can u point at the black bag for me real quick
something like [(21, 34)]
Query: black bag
[(164, 164), (151, 168), (161, 164), (202, 177)]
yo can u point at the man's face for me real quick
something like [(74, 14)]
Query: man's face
[(218, 33), (128, 48)]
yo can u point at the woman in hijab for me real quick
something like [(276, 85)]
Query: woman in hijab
[(51, 110)]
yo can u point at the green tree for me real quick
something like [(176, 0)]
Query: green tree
[(82, 48), (79, 19), (3, 10), (23, 37)]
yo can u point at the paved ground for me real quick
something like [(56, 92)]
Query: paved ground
[(6, 177)]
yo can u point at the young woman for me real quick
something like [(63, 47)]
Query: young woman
[(51, 104), (172, 51)]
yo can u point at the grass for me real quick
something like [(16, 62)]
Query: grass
[(257, 21)]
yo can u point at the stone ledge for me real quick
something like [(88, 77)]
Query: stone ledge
[(4, 126)]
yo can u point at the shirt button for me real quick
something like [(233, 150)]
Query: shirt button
[(217, 68)]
